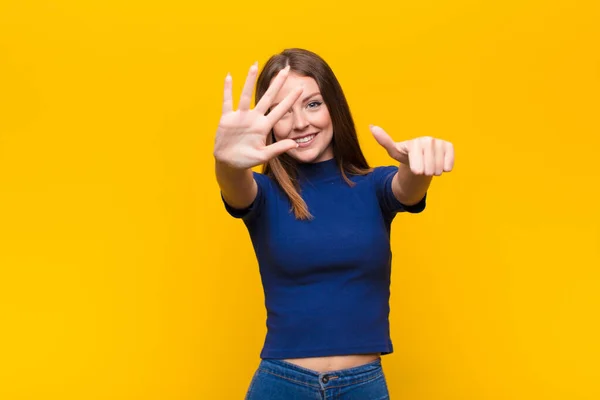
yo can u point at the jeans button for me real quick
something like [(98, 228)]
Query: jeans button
[(325, 379)]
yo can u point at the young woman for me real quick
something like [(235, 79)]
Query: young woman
[(319, 219)]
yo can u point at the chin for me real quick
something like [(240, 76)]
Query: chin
[(305, 156)]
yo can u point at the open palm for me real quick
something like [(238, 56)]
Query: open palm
[(241, 139)]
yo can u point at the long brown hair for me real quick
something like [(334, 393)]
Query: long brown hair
[(346, 149)]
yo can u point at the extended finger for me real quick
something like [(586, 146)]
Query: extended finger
[(227, 95), (267, 99), (246, 97), (280, 147), (385, 140), (281, 108)]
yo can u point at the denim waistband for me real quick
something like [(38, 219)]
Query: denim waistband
[(322, 380)]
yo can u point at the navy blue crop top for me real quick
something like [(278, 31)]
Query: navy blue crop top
[(327, 280)]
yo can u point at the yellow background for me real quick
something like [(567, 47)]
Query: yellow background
[(122, 277)]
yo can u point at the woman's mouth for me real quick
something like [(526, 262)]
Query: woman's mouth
[(306, 140)]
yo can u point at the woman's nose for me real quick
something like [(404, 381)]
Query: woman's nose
[(300, 121)]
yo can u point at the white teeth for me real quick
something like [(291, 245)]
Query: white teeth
[(305, 139)]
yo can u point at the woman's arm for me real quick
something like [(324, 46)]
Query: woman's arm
[(238, 186), (240, 142), (408, 187), (420, 160)]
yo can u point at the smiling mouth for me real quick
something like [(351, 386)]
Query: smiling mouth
[(306, 139)]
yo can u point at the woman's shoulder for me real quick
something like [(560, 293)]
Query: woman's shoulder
[(259, 177), (377, 172), (383, 169)]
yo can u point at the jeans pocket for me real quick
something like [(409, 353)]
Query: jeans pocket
[(374, 387)]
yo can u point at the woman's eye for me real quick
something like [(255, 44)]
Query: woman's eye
[(314, 104)]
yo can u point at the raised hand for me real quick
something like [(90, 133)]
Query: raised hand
[(424, 155), (242, 134)]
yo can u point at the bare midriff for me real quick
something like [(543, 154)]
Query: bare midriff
[(334, 363)]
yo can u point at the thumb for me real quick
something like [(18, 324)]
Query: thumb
[(384, 139), (277, 148)]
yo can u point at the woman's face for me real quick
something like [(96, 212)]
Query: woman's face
[(307, 122)]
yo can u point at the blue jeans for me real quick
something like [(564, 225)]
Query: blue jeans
[(282, 380)]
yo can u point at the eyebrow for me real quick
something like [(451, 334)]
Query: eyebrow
[(303, 100)]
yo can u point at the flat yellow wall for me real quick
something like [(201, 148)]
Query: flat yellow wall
[(122, 277)]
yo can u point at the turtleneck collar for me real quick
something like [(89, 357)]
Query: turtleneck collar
[(318, 170)]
